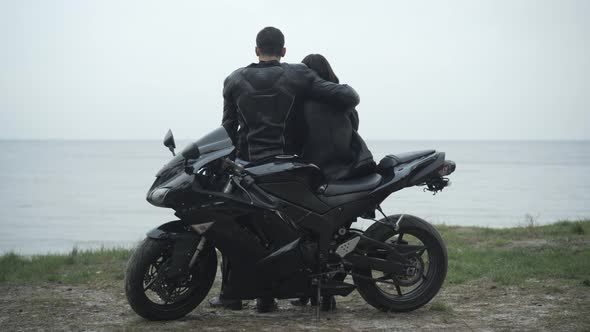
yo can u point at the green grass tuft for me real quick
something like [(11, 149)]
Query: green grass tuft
[(73, 268), (578, 228), (506, 256), (512, 255)]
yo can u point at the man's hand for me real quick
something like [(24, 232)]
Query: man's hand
[(323, 90)]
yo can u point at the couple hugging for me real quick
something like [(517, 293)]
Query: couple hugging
[(273, 108)]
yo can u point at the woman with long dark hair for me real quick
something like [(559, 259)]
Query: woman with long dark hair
[(329, 139), (329, 135)]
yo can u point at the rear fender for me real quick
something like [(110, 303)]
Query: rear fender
[(425, 173), (404, 173)]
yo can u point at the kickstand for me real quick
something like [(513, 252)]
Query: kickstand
[(318, 305), (319, 269)]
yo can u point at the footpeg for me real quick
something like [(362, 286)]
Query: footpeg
[(347, 247)]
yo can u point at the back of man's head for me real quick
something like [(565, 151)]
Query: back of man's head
[(270, 42)]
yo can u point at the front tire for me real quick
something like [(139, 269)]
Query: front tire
[(142, 279), (406, 292)]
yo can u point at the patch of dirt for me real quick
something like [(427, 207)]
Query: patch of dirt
[(477, 306), (572, 243), (535, 243)]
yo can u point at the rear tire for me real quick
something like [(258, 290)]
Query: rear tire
[(151, 252), (430, 281)]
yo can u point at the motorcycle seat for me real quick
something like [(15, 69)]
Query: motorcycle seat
[(387, 164), (355, 185), (409, 156)]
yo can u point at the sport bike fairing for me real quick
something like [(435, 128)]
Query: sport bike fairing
[(173, 178), (261, 227)]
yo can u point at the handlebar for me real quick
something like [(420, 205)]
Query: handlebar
[(233, 167)]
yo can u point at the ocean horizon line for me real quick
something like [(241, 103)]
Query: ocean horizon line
[(366, 139)]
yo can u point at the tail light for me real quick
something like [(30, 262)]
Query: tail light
[(447, 168)]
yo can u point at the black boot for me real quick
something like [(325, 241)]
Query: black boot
[(300, 301), (266, 304), (328, 303), (218, 302), (313, 300)]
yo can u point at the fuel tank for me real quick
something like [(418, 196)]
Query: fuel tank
[(292, 179)]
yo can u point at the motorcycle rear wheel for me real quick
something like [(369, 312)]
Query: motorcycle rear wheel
[(155, 298), (405, 293)]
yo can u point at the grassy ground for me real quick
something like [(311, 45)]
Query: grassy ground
[(530, 278), (75, 268), (507, 256), (511, 255)]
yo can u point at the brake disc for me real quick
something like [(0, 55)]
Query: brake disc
[(413, 272)]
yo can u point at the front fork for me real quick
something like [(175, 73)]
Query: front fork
[(185, 254), (195, 257)]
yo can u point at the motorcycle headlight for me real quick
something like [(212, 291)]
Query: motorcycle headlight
[(158, 196)]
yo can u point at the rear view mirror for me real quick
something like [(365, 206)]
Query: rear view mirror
[(169, 142)]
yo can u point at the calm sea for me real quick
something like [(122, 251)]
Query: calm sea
[(55, 195)]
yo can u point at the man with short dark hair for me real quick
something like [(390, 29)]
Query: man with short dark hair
[(260, 102)]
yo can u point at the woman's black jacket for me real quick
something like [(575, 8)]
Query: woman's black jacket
[(329, 139)]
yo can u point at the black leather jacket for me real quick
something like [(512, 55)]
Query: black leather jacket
[(260, 102), (329, 137)]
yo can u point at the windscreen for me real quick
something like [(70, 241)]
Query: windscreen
[(216, 140)]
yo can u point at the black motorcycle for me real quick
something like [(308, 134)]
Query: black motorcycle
[(285, 231)]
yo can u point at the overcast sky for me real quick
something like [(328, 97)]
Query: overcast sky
[(424, 69)]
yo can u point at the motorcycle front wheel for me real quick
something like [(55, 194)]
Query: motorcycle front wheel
[(152, 296), (422, 277)]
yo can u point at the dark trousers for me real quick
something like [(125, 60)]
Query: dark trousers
[(225, 274)]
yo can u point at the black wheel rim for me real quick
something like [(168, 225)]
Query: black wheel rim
[(163, 292), (417, 279)]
